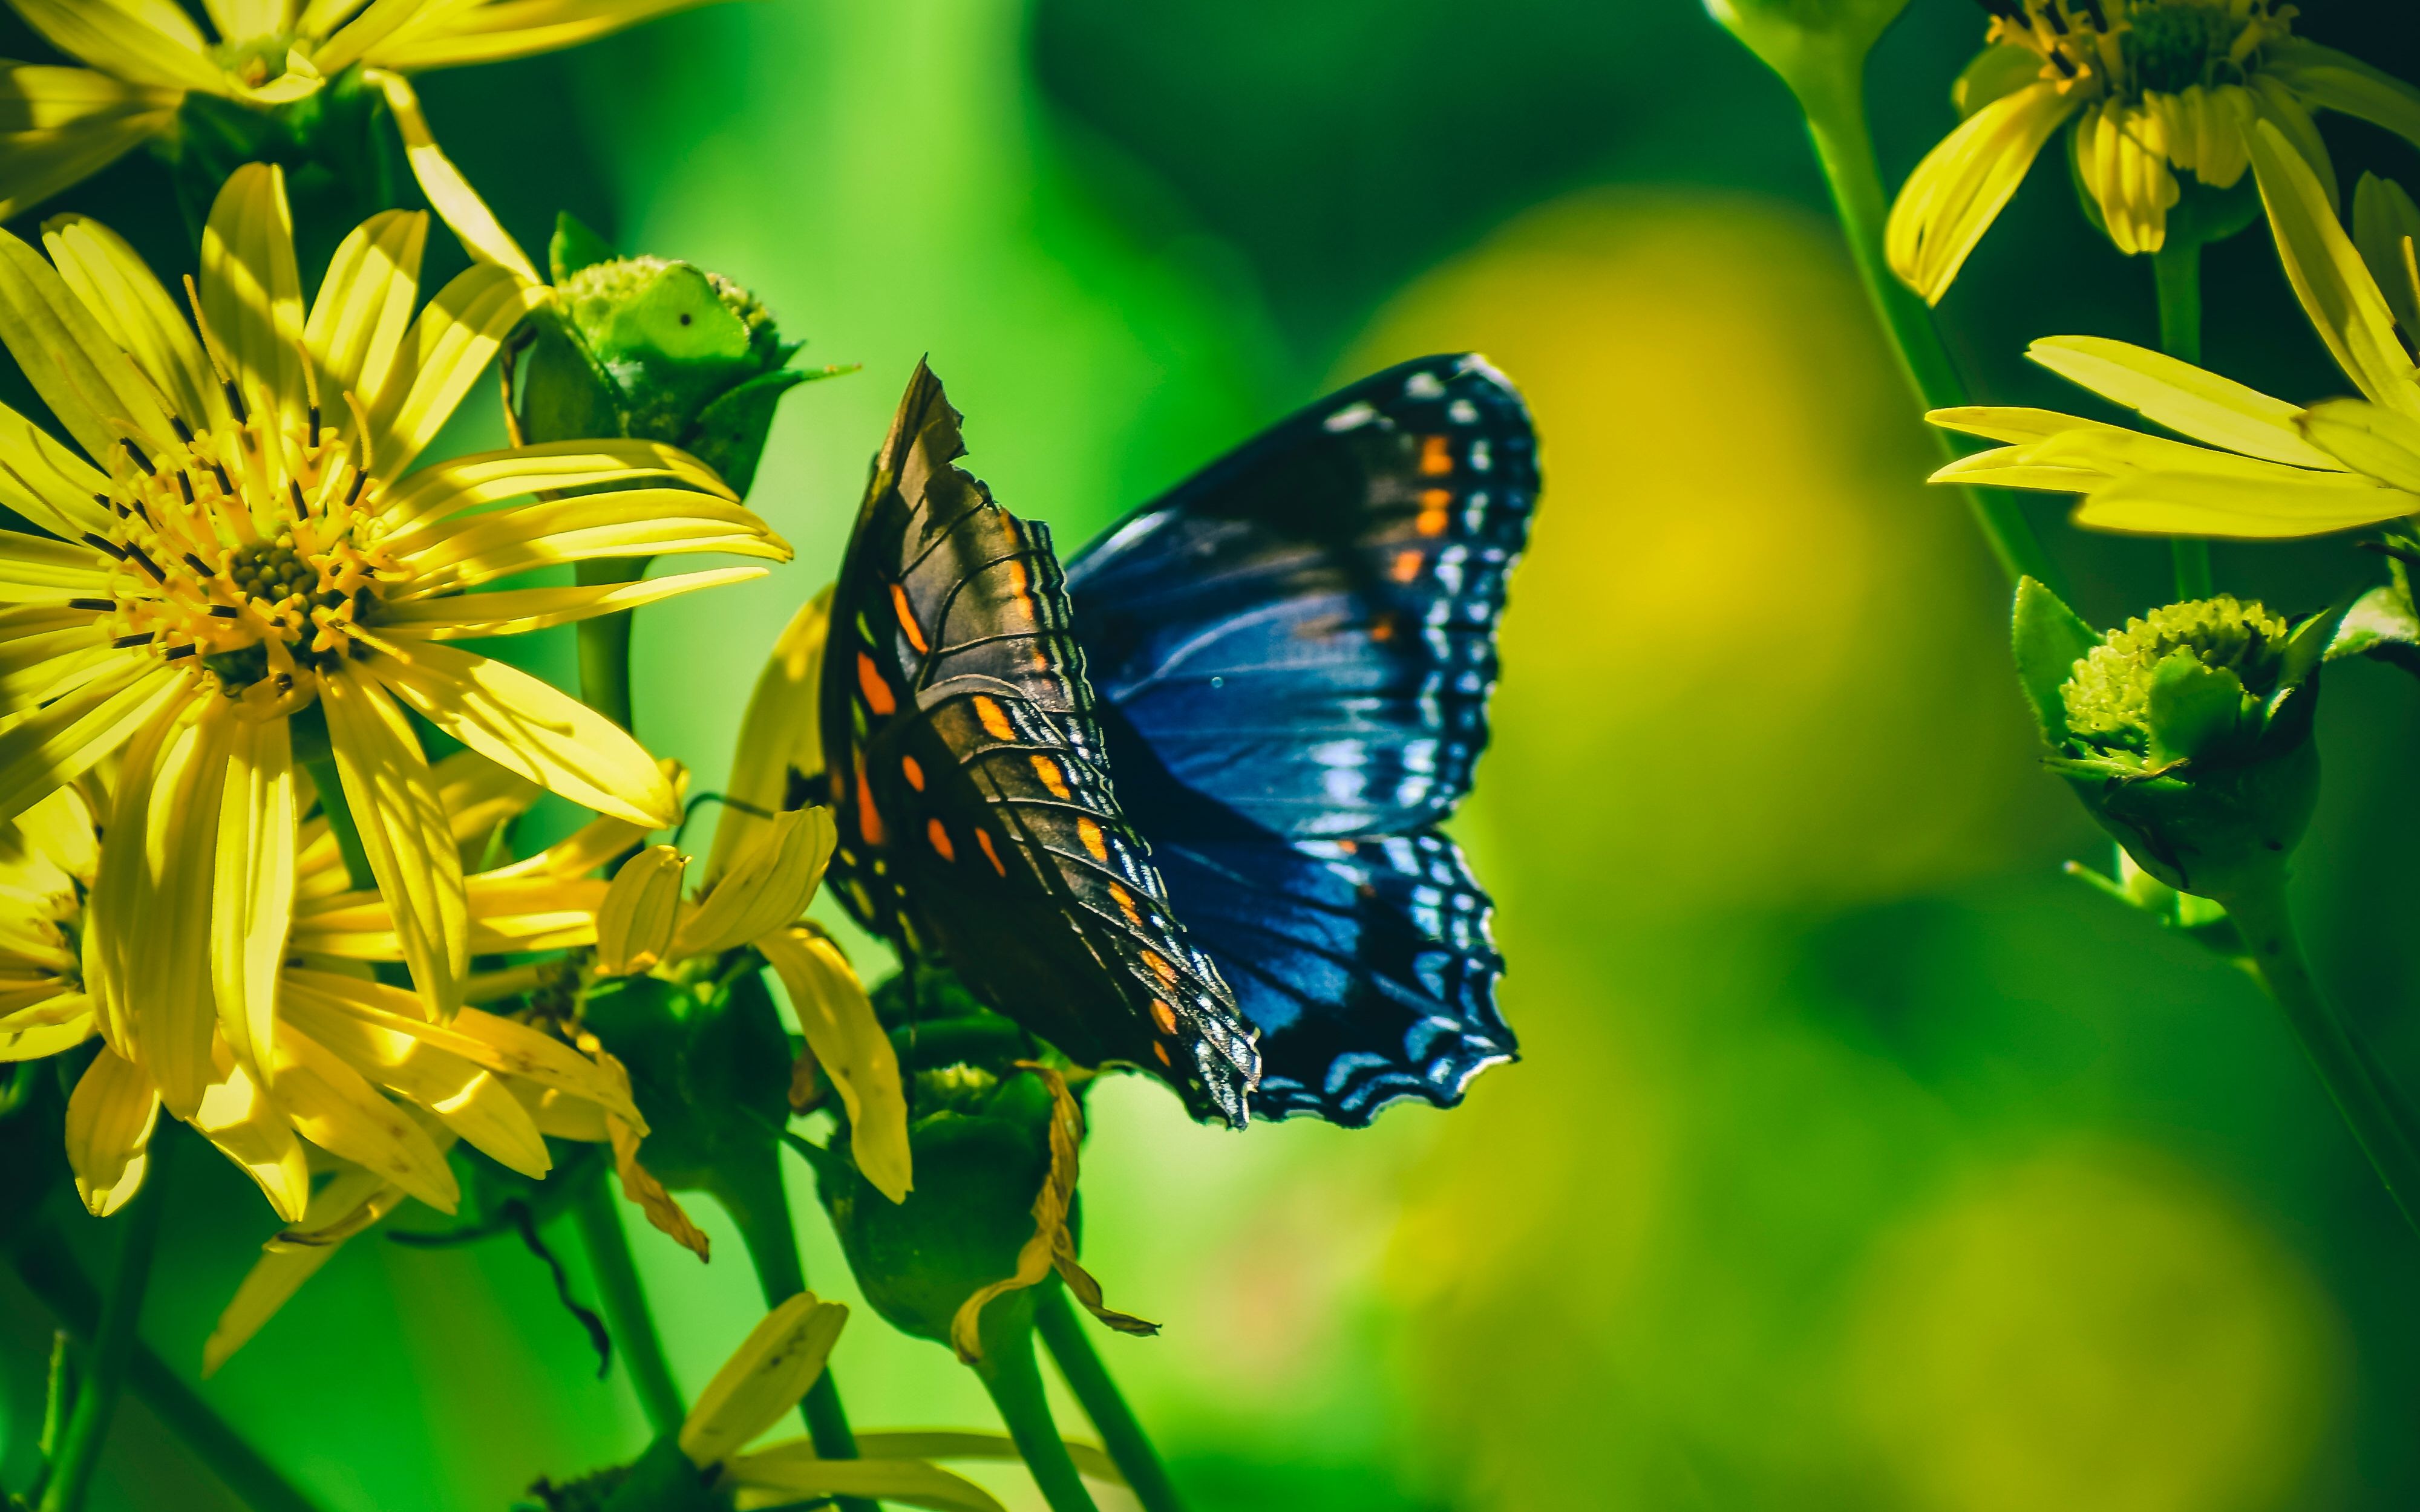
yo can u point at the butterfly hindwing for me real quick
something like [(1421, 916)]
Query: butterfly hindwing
[(977, 821), (1294, 651)]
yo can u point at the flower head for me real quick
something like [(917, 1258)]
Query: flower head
[(240, 576), (147, 60), (2250, 467), (2154, 89)]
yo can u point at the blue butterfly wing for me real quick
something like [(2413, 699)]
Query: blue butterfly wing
[(1294, 651)]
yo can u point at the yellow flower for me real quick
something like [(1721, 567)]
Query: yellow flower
[(237, 544), (360, 1072), (2254, 467), (65, 124), (2154, 87)]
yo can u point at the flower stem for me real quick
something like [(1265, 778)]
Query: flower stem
[(1008, 1371), (1122, 1434), (112, 1341), (2369, 1103), (751, 1190), (49, 1271), (1844, 146), (627, 1312), (605, 641), (2176, 273)]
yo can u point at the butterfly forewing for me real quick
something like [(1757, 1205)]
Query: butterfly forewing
[(977, 820)]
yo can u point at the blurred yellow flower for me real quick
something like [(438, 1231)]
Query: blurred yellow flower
[(357, 1070), (2154, 87), (238, 545), (2255, 467), (64, 124)]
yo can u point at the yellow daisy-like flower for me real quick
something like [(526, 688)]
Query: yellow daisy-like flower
[(63, 124), (356, 1071), (2254, 467), (239, 543), (2154, 87)]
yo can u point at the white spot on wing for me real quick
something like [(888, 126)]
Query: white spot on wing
[(1423, 386), (1352, 417)]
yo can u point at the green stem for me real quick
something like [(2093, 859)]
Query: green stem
[(112, 1341), (1008, 1371), (49, 1271), (751, 1190), (627, 1312), (2368, 1103), (1122, 1433), (2175, 272), (1835, 119), (605, 641)]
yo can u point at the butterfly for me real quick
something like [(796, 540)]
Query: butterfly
[(1284, 663)]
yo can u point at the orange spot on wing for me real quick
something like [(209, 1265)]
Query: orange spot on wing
[(1019, 580), (1162, 1051), (869, 823), (1164, 1016), (982, 837), (1384, 630), (995, 720), (1125, 903), (1349, 847), (1090, 833), (940, 838), (908, 625), (1435, 503), (1158, 966), (1436, 455), (1408, 565), (913, 771), (869, 682), (1046, 769)]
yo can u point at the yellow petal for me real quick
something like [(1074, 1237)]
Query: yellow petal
[(250, 1129), (377, 21), (1954, 194), (89, 382), (443, 489), (2184, 398), (252, 296), (109, 1117), (515, 610), (2339, 81), (65, 125), (2336, 290), (529, 727), (767, 887), (781, 736), (363, 309), (335, 1108), (255, 887), (37, 569), (518, 28), (2386, 225), (469, 551), (451, 342), (463, 1095), (61, 1022), (634, 925), (848, 1043), (411, 847), (47, 483), (2379, 441), (2281, 108), (764, 1378), (457, 203), (1092, 1461), (145, 43), (46, 749), (479, 797), (137, 313), (639, 1184), (793, 1473), (2235, 508)]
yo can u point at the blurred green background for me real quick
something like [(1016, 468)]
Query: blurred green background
[(1857, 1160)]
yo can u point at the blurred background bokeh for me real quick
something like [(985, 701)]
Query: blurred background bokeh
[(1857, 1160)]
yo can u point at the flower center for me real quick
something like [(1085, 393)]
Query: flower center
[(2108, 697), (254, 548), (2142, 46), (2168, 48)]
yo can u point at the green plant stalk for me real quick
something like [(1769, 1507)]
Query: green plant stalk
[(1844, 148), (2368, 1103), (112, 1341), (43, 1263), (626, 1314), (752, 1193), (605, 641), (1122, 1434), (1009, 1372), (2176, 273)]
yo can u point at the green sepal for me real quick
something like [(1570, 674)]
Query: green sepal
[(709, 1066), (729, 436), (663, 1480), (2382, 625), (2049, 639), (574, 247), (2196, 709), (2199, 919)]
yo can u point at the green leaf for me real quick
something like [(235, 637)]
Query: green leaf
[(2049, 639), (2382, 626), (575, 247), (730, 432), (2195, 707)]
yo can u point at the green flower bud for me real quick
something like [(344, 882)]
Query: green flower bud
[(2187, 733), (709, 1065), (1818, 47), (657, 350)]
